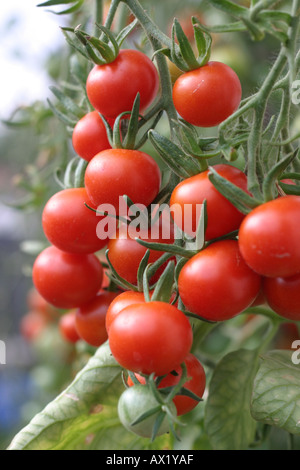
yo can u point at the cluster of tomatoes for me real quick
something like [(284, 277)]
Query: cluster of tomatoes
[(218, 283)]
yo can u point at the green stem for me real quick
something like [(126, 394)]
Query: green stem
[(99, 12), (157, 38)]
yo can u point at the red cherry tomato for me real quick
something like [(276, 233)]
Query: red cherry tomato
[(150, 337), (112, 88), (216, 284), (125, 253), (67, 327), (90, 319), (67, 280), (89, 136), (119, 303), (269, 237), (283, 295), (190, 194), (207, 96), (32, 325), (195, 383), (70, 225), (117, 172)]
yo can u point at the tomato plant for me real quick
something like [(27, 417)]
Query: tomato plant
[(184, 324)]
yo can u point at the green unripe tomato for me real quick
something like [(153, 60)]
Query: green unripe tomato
[(136, 401)]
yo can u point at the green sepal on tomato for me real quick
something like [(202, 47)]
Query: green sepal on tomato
[(195, 383)]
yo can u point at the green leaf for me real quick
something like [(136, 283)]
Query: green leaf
[(80, 410), (275, 173), (276, 395), (239, 198), (228, 421), (72, 9), (181, 164)]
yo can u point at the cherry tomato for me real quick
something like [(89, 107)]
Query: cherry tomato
[(283, 295), (150, 337), (188, 196), (90, 319), (67, 280), (119, 303), (117, 172), (67, 327), (32, 325), (125, 253), (216, 284), (70, 225), (89, 136), (195, 383), (134, 402), (207, 96), (269, 237), (112, 88), (37, 303)]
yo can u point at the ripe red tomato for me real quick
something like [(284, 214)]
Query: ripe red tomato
[(89, 136), (90, 318), (283, 295), (67, 327), (70, 225), (35, 302), (150, 337), (119, 303), (222, 216), (216, 284), (207, 96), (112, 88), (67, 280), (269, 237), (116, 172), (195, 383), (125, 253)]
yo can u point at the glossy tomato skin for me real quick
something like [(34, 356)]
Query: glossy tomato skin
[(125, 253), (90, 319), (67, 327), (67, 280), (120, 302), (216, 284), (269, 237), (89, 136), (116, 172), (112, 88), (222, 216), (283, 295), (196, 383), (150, 337), (70, 225), (207, 96)]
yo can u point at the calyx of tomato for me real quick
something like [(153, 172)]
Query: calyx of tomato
[(182, 53), (102, 50)]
